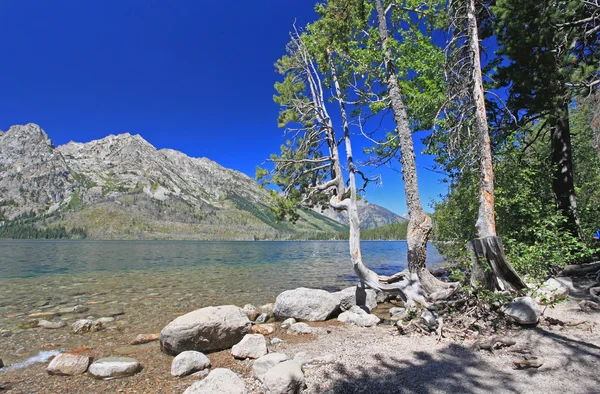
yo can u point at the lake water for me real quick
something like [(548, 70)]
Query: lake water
[(151, 282)]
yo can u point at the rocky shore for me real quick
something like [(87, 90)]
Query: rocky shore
[(310, 341)]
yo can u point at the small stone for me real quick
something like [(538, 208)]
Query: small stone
[(114, 367), (188, 362), (287, 323), (145, 338), (251, 311), (285, 377), (104, 320), (51, 325), (218, 381), (262, 318), (276, 341), (263, 329), (300, 328), (263, 364), (85, 325), (68, 364), (359, 317), (429, 318), (251, 346), (395, 310)]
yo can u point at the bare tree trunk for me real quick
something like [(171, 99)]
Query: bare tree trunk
[(562, 159), (419, 225), (405, 284), (489, 259)]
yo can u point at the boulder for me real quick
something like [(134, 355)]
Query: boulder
[(251, 311), (263, 364), (188, 362), (299, 328), (114, 367), (51, 325), (352, 296), (524, 310), (207, 329), (284, 378), (251, 346), (359, 317), (68, 364), (306, 304), (218, 381), (552, 290)]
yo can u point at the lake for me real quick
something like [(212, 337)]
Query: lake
[(151, 282)]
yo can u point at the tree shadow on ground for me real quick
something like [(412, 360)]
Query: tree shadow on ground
[(455, 369)]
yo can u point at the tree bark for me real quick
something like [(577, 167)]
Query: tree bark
[(491, 268), (562, 160), (419, 225)]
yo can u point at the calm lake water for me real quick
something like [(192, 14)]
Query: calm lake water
[(151, 282)]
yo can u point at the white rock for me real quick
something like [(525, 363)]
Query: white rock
[(105, 320), (356, 295), (263, 364), (552, 290), (306, 304), (188, 362), (68, 364), (288, 322), (251, 346), (251, 311), (206, 329), (114, 367), (284, 378), (395, 310), (299, 328), (359, 317), (524, 310), (218, 381), (429, 318), (276, 341)]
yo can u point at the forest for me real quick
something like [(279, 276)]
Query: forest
[(507, 93)]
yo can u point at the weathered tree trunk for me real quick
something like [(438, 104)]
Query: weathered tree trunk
[(489, 261), (405, 284), (419, 225), (562, 159)]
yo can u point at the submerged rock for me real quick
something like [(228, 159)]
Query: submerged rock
[(188, 362), (114, 367), (306, 304), (251, 346), (145, 338), (51, 325), (68, 364), (85, 325), (206, 329), (218, 381)]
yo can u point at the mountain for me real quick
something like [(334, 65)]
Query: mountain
[(121, 186), (371, 216)]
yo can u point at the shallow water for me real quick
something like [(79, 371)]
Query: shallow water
[(151, 282)]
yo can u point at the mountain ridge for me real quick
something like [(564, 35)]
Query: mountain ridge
[(121, 186)]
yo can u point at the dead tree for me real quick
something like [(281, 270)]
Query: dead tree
[(466, 100)]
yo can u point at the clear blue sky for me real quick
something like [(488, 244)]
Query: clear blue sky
[(196, 76)]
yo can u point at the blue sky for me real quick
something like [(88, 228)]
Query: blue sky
[(196, 76)]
